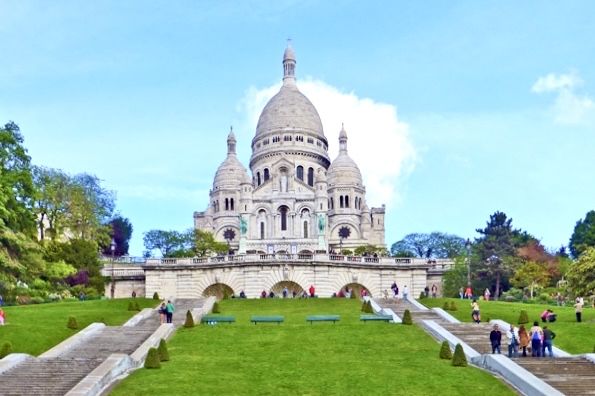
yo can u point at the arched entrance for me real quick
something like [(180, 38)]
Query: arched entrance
[(291, 288), (218, 290), (356, 288)]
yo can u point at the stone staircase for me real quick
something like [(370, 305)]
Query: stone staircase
[(57, 375), (570, 375)]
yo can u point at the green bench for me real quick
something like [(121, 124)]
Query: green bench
[(323, 318), (217, 319), (367, 318), (267, 319)]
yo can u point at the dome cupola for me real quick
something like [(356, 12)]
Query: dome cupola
[(343, 170), (231, 173)]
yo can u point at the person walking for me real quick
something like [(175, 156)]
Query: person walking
[(523, 339), (578, 309), (395, 289), (475, 315), (548, 343), (434, 290), (312, 291), (468, 292), (169, 311), (536, 335), (405, 292), (495, 339), (487, 294), (513, 341), (162, 313), (461, 293)]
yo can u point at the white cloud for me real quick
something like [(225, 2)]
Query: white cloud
[(569, 107), (378, 141)]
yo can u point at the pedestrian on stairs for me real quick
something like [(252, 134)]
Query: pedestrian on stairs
[(513, 341), (475, 315), (162, 313), (169, 311), (548, 341), (495, 339), (536, 334), (405, 292), (523, 339)]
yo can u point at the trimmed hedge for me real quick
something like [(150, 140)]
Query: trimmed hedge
[(72, 323), (153, 359), (6, 349), (407, 318), (216, 308), (163, 352), (155, 296), (453, 306), (189, 319), (523, 317), (445, 352), (459, 359)]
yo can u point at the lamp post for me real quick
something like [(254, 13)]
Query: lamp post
[(468, 248), (112, 248)]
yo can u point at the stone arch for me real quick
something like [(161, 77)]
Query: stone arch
[(356, 288), (305, 251), (278, 287), (218, 290), (284, 274), (360, 278), (231, 279)]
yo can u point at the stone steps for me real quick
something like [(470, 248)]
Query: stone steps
[(571, 376), (56, 376)]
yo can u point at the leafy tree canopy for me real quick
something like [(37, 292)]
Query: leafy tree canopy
[(121, 232), (433, 245), (169, 243), (581, 275), (583, 236), (205, 244)]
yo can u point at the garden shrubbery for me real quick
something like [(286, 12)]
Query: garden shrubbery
[(407, 318), (153, 359), (459, 359), (445, 352)]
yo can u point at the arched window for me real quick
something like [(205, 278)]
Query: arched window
[(226, 204), (305, 229), (262, 230), (231, 204), (346, 201), (300, 173), (341, 201), (266, 174), (283, 210), (217, 206), (258, 178), (332, 205), (311, 176)]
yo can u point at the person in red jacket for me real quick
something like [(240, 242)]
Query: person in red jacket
[(312, 290)]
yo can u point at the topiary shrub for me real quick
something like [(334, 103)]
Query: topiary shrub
[(136, 306), (72, 324), (407, 318), (153, 360), (445, 352), (523, 317), (155, 296), (6, 349), (446, 306), (422, 295), (453, 306), (189, 319), (365, 306), (216, 308), (459, 359), (369, 308), (163, 352)]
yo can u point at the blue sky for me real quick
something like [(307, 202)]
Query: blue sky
[(474, 106)]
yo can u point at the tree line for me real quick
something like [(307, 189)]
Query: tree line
[(53, 226)]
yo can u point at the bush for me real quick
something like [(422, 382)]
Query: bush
[(153, 359), (72, 324), (446, 306), (459, 359), (136, 306), (163, 352), (445, 352), (131, 306), (422, 295), (37, 300), (155, 296), (216, 308), (523, 317), (369, 308), (189, 319), (6, 349), (453, 306), (365, 306), (407, 318)]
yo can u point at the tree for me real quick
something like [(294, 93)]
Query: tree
[(51, 200), (455, 278), (583, 235), (205, 244), (121, 232), (434, 245), (581, 275), (16, 185), (167, 242), (531, 274), (496, 248)]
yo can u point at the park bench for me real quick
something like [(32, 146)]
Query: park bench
[(266, 319), (366, 318), (217, 319), (323, 318)]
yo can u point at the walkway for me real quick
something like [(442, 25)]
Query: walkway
[(57, 375), (570, 375)]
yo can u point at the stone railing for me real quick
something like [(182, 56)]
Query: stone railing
[(122, 272)]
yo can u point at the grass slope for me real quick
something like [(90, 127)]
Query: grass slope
[(571, 336), (34, 329), (295, 357)]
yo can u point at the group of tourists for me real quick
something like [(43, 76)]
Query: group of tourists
[(166, 312), (395, 289), (538, 341), (285, 293)]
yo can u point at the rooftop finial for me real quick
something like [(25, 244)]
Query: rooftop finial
[(343, 139), (231, 142), (289, 64)]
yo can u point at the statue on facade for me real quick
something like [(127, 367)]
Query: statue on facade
[(243, 226), (321, 223)]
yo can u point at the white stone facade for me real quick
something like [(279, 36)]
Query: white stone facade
[(297, 200)]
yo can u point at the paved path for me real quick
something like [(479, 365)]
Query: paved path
[(571, 376), (57, 375)]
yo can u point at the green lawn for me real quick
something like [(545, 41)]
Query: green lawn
[(34, 329), (297, 358), (571, 336)]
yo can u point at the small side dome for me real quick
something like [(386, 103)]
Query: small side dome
[(231, 173), (343, 170)]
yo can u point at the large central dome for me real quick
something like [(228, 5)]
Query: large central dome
[(289, 109)]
